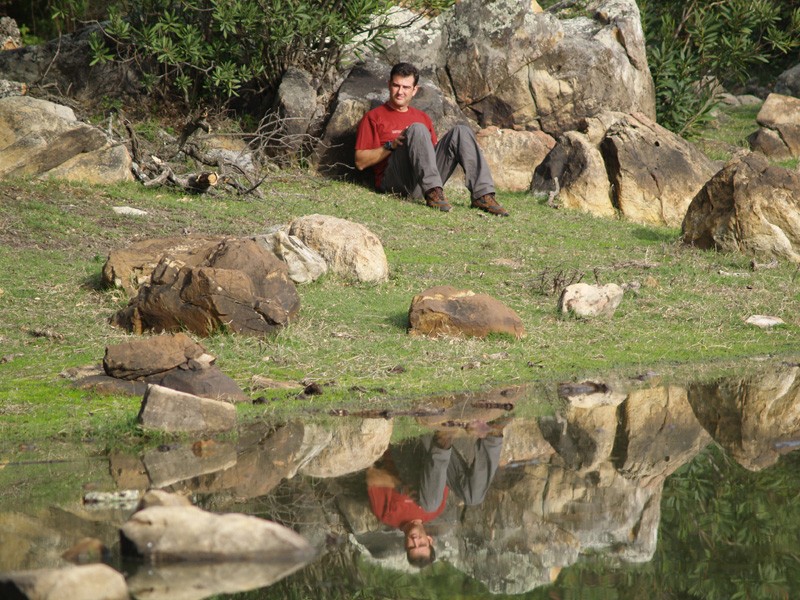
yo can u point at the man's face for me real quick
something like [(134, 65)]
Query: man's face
[(401, 91), (418, 542)]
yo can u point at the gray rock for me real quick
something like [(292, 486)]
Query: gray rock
[(788, 82), (305, 265), (296, 104), (168, 410)]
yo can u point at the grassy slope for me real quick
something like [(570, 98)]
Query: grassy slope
[(689, 311)]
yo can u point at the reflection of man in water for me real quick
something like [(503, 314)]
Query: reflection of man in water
[(409, 500)]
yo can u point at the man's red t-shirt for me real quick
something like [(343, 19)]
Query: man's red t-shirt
[(396, 509), (383, 124)]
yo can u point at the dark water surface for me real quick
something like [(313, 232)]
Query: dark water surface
[(622, 490)]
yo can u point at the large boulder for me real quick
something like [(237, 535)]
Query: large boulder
[(62, 64), (448, 311), (654, 174), (129, 268), (42, 139), (750, 206), (349, 248), (779, 133), (238, 285), (512, 155)]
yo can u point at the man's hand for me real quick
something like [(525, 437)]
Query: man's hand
[(368, 158)]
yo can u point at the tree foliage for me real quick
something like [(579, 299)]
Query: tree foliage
[(697, 48)]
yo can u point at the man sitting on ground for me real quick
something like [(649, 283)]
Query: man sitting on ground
[(398, 141)]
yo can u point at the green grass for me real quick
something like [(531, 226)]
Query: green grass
[(689, 309)]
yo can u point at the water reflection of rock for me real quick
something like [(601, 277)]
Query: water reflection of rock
[(756, 418), (262, 457), (586, 480)]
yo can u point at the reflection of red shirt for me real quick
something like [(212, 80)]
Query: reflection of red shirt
[(383, 124), (396, 509)]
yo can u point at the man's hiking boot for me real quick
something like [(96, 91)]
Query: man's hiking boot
[(434, 198), (488, 203)]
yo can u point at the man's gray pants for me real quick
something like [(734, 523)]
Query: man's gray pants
[(470, 482), (416, 166)]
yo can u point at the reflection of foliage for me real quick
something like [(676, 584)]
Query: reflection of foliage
[(732, 533)]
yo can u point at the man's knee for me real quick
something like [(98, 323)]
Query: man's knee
[(463, 130), (417, 129)]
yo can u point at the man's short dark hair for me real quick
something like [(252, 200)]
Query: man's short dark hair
[(404, 70), (422, 561)]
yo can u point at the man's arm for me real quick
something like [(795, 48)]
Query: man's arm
[(367, 158), (372, 156)]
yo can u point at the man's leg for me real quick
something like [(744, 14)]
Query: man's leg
[(433, 477), (471, 482), (460, 147), (412, 167)]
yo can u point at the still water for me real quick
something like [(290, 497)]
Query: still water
[(619, 489)]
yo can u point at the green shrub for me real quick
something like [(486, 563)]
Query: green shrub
[(217, 49), (695, 47)]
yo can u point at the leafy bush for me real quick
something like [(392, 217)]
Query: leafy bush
[(219, 48), (696, 47)]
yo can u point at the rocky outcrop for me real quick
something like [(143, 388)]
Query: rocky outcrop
[(511, 65), (238, 285), (42, 139), (447, 311), (131, 267), (751, 207), (625, 165), (778, 136), (350, 249)]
